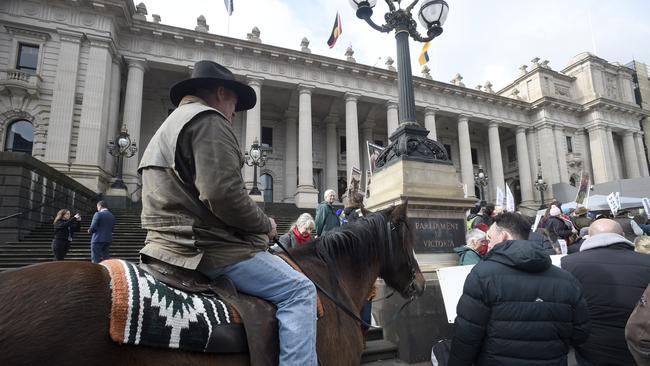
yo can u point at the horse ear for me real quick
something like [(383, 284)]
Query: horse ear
[(399, 212)]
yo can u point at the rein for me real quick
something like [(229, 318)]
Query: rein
[(342, 306)]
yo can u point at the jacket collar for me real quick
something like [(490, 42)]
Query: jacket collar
[(194, 99), (604, 240)]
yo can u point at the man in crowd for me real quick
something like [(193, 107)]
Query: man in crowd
[(613, 277), (517, 308), (101, 229), (326, 217), (199, 215)]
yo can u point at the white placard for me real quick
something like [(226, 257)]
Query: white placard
[(646, 206), (538, 218), (499, 201), (452, 281), (613, 203), (563, 246)]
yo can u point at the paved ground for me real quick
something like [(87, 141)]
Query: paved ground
[(572, 362)]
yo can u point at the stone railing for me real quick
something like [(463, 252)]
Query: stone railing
[(20, 81), (32, 193)]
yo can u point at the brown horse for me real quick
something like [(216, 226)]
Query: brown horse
[(58, 313)]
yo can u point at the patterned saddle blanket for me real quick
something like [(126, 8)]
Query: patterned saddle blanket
[(145, 311)]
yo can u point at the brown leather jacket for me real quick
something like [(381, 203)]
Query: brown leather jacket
[(194, 204)]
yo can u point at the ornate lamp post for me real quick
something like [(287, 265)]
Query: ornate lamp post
[(481, 179), (121, 147), (541, 186), (410, 140), (255, 157)]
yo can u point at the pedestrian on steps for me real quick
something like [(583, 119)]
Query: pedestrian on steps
[(101, 229), (64, 226)]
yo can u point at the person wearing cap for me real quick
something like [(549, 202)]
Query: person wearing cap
[(580, 219), (613, 278), (199, 216)]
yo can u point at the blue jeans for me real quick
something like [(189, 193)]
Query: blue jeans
[(99, 252), (269, 277)]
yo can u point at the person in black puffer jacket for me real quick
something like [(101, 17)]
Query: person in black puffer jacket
[(517, 308), (614, 277)]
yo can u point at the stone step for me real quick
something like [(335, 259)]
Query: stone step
[(378, 350)]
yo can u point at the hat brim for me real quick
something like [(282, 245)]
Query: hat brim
[(246, 98)]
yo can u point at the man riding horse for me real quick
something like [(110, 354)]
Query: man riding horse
[(198, 213)]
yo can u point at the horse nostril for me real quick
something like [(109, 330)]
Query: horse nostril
[(420, 284)]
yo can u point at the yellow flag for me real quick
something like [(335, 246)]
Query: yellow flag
[(424, 55)]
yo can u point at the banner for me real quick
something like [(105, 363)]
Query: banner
[(373, 154), (499, 202), (368, 180), (583, 189), (355, 180), (510, 200)]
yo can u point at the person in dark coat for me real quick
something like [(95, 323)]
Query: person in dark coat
[(580, 219), (516, 307), (101, 228), (64, 227), (326, 217), (613, 277), (556, 227), (300, 232), (354, 210)]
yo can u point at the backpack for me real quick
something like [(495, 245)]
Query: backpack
[(637, 330)]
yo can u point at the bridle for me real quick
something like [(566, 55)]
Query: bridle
[(410, 288)]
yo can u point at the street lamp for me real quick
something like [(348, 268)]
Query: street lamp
[(541, 186), (121, 147), (409, 141), (481, 180), (255, 157)]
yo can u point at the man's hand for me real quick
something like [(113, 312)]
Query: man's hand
[(274, 230)]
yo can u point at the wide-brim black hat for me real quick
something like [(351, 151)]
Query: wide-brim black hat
[(209, 73)]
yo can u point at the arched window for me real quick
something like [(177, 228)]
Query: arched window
[(20, 137), (266, 181)]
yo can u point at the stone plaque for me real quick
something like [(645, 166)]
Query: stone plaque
[(437, 235)]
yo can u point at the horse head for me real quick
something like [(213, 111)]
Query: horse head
[(400, 268)]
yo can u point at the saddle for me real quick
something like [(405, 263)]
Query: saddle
[(257, 315)]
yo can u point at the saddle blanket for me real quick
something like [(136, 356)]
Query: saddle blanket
[(147, 312)]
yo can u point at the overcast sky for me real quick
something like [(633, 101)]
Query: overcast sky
[(482, 40)]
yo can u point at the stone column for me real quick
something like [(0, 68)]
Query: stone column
[(560, 146), (290, 157), (601, 160), (132, 116), (253, 126), (631, 160), (59, 132), (548, 156), (613, 155), (586, 153), (465, 152), (114, 124), (525, 181), (91, 144), (351, 133), (430, 122), (531, 142), (306, 195), (643, 162), (496, 162), (331, 155), (392, 121)]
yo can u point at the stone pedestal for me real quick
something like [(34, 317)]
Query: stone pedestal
[(117, 198), (436, 211), (306, 197)]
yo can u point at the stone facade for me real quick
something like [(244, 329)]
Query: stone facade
[(102, 65)]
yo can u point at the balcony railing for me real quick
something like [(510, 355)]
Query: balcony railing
[(17, 81)]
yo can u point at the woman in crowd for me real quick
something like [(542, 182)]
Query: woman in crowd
[(64, 227), (300, 232), (470, 252)]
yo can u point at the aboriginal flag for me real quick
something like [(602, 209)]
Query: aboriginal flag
[(336, 31)]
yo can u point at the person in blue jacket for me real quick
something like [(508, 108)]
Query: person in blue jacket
[(101, 229)]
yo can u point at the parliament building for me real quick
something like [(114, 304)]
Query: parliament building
[(73, 73)]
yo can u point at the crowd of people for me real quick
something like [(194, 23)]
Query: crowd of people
[(519, 309)]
